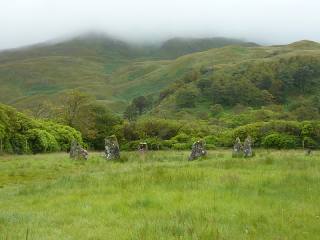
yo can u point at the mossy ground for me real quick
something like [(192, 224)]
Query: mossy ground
[(161, 195)]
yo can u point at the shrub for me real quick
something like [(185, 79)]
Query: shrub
[(168, 144), (280, 141), (182, 138), (210, 147), (130, 146), (210, 139), (182, 146), (19, 143), (42, 141), (159, 128), (154, 144), (308, 142)]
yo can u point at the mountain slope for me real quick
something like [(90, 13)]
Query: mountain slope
[(116, 72), (112, 70)]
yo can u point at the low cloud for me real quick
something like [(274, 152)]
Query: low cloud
[(24, 22)]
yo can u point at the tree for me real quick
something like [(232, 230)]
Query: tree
[(74, 104), (104, 124), (306, 113), (140, 103), (131, 113), (216, 109), (301, 77), (204, 84), (76, 111), (186, 98)]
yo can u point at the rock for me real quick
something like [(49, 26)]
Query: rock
[(247, 147), (198, 150), (237, 148), (112, 150), (308, 152), (77, 152), (143, 147)]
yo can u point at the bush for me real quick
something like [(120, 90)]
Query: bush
[(154, 144), (22, 134), (280, 141), (210, 147), (159, 128), (42, 141), (210, 139), (182, 138), (19, 143), (308, 142), (168, 144), (182, 146), (130, 146)]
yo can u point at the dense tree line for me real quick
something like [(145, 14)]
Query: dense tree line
[(22, 134)]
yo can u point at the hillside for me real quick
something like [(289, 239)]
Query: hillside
[(252, 77), (116, 72), (112, 70)]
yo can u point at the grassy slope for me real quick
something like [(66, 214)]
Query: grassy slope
[(232, 58), (113, 71), (271, 196)]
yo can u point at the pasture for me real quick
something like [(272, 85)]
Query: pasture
[(160, 195)]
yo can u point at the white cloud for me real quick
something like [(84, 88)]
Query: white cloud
[(272, 21)]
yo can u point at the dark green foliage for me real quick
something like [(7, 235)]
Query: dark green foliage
[(216, 109), (140, 103), (280, 141), (21, 134), (182, 146), (186, 98), (160, 128), (308, 142), (19, 143), (131, 112), (42, 141), (204, 85)]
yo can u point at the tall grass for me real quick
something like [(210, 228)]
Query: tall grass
[(160, 195)]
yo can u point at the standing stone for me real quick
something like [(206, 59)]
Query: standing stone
[(112, 150), (237, 148), (198, 150), (143, 147), (77, 152), (308, 151), (247, 147)]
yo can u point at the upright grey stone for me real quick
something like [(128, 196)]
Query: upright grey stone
[(237, 148), (198, 150), (143, 147), (112, 150), (247, 147), (77, 152)]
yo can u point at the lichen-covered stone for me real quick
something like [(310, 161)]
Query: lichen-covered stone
[(143, 147), (198, 150), (247, 147), (77, 152), (112, 150), (237, 148)]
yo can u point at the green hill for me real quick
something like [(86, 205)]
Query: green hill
[(255, 76), (116, 72), (112, 70)]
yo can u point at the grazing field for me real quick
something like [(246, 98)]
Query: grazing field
[(161, 195)]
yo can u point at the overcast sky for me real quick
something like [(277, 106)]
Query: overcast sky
[(24, 22)]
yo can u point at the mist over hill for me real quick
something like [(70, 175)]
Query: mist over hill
[(115, 72), (94, 63)]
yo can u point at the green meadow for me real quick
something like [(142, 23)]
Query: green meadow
[(160, 195)]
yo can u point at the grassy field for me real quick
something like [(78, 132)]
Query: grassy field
[(161, 195)]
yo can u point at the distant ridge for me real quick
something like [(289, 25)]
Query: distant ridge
[(115, 71)]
